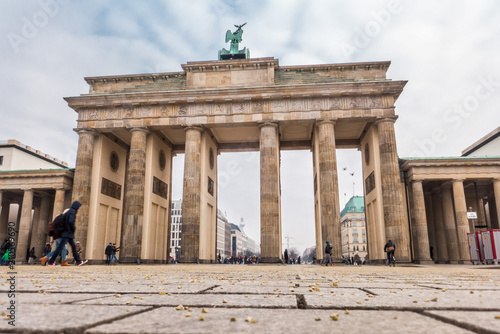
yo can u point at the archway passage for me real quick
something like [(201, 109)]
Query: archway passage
[(233, 105)]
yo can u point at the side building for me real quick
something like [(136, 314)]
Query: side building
[(34, 188), (353, 229), (175, 230)]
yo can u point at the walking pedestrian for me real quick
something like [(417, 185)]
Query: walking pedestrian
[(57, 237), (68, 235), (114, 249), (286, 256), (107, 252), (390, 248), (327, 260), (32, 256)]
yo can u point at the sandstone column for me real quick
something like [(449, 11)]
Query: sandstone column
[(38, 235), (4, 219), (191, 210), (82, 181), (496, 189), (134, 197), (328, 188), (442, 250), (59, 203), (394, 213), (449, 225), (270, 193), (24, 226), (461, 217), (419, 224)]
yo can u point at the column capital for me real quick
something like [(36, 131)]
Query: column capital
[(268, 123), (496, 180), (416, 181), (391, 119), (82, 131), (321, 121), (457, 181), (194, 127), (138, 128)]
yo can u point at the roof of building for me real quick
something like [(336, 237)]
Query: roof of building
[(481, 142), (234, 227), (355, 205), (37, 153)]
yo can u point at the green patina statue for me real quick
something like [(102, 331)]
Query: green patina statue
[(234, 52)]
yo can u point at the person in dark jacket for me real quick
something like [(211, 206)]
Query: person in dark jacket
[(32, 256), (108, 251), (389, 247), (286, 256), (68, 235), (328, 255)]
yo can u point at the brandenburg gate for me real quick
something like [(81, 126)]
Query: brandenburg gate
[(130, 127)]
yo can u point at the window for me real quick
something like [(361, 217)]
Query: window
[(357, 248), (173, 235), (363, 232), (173, 206), (354, 217), (364, 240), (354, 248), (173, 243), (354, 224), (355, 240), (179, 235), (364, 248), (1, 160), (362, 217)]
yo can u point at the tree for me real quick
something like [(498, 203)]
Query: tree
[(293, 253)]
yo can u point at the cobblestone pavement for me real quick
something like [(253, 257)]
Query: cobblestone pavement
[(251, 299)]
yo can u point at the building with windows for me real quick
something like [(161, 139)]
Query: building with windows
[(223, 235), (241, 244), (34, 188), (175, 230), (353, 229)]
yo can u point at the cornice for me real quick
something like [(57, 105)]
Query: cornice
[(367, 88)]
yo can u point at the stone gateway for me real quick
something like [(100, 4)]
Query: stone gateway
[(130, 126)]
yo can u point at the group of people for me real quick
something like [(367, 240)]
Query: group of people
[(64, 235), (110, 252), (5, 255)]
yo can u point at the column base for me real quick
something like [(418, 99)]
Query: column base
[(424, 261), (274, 260), (189, 260), (131, 260)]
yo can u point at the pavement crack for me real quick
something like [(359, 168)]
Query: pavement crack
[(464, 325), (368, 291), (301, 302), (208, 289)]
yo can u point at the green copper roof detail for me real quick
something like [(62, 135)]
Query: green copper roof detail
[(234, 51), (355, 205)]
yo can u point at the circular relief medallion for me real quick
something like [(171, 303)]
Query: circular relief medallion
[(162, 160), (367, 154), (211, 158), (114, 161)]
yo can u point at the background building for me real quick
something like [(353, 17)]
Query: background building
[(227, 235), (175, 230), (353, 229)]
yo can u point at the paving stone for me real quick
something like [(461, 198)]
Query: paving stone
[(406, 298), (169, 320), (57, 298), (481, 321), (202, 300), (70, 318)]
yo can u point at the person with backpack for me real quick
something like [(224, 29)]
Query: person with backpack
[(68, 235), (47, 249), (328, 255), (108, 251), (390, 248), (55, 233), (114, 249)]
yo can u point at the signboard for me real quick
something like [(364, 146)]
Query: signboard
[(471, 215)]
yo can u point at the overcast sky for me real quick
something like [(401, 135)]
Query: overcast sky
[(447, 50)]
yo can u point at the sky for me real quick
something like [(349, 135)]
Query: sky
[(445, 50)]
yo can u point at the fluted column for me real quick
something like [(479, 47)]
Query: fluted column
[(419, 224), (134, 197), (449, 225), (4, 218), (461, 217), (24, 226), (394, 213), (496, 189), (270, 193), (58, 207), (328, 188), (82, 181), (38, 235), (191, 209), (437, 206)]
